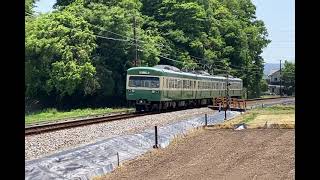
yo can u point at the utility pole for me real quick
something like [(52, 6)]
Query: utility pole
[(228, 88), (135, 41), (280, 80), (227, 95)]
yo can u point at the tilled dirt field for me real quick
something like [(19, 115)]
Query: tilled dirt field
[(218, 154)]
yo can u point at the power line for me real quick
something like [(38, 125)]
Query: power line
[(103, 29), (222, 70), (110, 38), (176, 50), (239, 70)]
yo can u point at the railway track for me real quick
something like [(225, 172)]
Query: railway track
[(261, 99), (53, 126), (41, 128)]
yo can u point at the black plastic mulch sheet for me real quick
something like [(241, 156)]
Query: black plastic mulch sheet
[(101, 157)]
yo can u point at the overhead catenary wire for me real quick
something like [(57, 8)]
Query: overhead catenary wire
[(110, 38), (117, 39), (223, 70), (242, 69), (257, 71), (103, 29)]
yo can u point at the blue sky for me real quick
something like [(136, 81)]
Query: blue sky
[(278, 16)]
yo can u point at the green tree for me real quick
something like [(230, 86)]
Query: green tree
[(83, 48), (28, 7), (263, 85), (220, 33), (58, 50), (112, 57), (288, 77)]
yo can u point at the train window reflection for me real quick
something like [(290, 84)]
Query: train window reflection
[(143, 81)]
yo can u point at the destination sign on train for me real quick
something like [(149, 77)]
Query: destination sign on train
[(144, 72)]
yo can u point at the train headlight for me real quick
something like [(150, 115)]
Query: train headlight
[(153, 91), (132, 90)]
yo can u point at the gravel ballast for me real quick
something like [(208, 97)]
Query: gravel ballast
[(40, 145)]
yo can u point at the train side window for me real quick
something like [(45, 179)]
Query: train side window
[(171, 83), (146, 83), (179, 83), (187, 84)]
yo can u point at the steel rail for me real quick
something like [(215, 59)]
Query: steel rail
[(70, 123)]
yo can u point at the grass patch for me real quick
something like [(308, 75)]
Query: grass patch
[(249, 117), (52, 114), (278, 114), (282, 114), (277, 109)]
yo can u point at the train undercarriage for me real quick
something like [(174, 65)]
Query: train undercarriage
[(144, 106)]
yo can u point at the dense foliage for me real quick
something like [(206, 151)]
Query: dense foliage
[(288, 78), (28, 7), (79, 53)]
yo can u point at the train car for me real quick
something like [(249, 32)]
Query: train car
[(158, 88)]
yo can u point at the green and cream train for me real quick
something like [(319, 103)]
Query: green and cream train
[(165, 87)]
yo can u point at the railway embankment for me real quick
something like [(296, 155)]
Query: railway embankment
[(103, 156)]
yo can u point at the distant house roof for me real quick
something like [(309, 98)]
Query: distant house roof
[(273, 71)]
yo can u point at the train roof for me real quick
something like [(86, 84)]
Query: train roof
[(159, 71)]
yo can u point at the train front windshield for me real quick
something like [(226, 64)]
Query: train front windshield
[(144, 81)]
